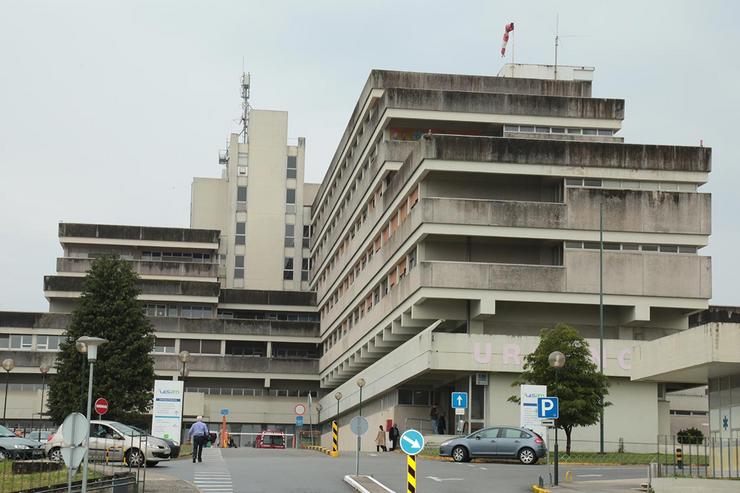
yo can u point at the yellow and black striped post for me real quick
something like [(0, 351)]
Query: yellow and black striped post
[(334, 439), (411, 474)]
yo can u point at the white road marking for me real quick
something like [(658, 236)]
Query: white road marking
[(212, 476), (483, 468), (439, 480), (589, 475)]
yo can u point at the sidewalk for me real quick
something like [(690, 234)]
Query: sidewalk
[(601, 486), (162, 483)]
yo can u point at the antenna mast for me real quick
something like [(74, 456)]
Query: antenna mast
[(557, 41), (245, 107)]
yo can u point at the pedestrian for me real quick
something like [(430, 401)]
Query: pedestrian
[(199, 433), (380, 440), (441, 425), (434, 415), (395, 436)]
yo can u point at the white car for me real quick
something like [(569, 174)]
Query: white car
[(113, 441)]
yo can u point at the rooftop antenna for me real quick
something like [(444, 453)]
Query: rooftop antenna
[(245, 105), (557, 42)]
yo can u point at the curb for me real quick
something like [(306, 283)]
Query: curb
[(321, 449), (378, 486)]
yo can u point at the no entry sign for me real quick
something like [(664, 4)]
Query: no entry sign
[(101, 406)]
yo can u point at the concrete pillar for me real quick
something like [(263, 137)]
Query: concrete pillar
[(269, 349)]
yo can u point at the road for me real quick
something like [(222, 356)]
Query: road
[(288, 471)]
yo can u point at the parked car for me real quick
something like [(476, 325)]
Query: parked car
[(270, 439), (113, 441), (501, 442), (41, 436), (15, 448), (172, 444)]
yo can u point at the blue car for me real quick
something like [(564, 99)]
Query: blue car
[(498, 442)]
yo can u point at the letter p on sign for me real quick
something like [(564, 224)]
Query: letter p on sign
[(548, 408)]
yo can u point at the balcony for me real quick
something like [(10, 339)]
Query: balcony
[(266, 328), (146, 268), (148, 287), (503, 277), (142, 233), (239, 364)]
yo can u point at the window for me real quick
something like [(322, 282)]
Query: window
[(239, 266), (526, 128), (241, 194), (649, 248), (687, 249), (48, 343), (196, 311), (488, 433), (611, 246), (292, 161), (412, 259), (511, 433), (241, 233), (669, 248), (542, 130), (573, 244), (590, 131), (20, 341), (290, 196), (200, 346), (557, 130), (155, 310), (291, 173), (588, 182), (4, 341), (288, 269), (166, 346), (289, 235)]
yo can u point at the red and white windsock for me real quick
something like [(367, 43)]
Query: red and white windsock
[(507, 29)]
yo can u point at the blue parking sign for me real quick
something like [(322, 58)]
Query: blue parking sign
[(548, 408)]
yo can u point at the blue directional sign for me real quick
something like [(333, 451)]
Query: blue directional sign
[(224, 412), (299, 420), (459, 400), (548, 408), (412, 442)]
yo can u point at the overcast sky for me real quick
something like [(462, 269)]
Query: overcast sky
[(108, 109)]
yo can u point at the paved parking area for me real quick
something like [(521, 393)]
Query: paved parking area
[(260, 470)]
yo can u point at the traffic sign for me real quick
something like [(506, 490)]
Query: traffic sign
[(412, 442), (359, 425), (459, 412), (300, 409), (459, 400), (101, 406), (224, 412), (299, 420), (74, 430), (548, 408)]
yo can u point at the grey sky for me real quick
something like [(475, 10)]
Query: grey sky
[(108, 109)]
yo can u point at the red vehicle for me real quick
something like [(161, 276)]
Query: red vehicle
[(270, 439)]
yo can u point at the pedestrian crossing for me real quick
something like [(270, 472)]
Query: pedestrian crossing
[(212, 475)]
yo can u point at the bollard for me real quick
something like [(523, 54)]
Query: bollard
[(411, 474), (334, 439), (679, 458)]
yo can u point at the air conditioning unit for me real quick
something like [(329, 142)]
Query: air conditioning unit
[(481, 378)]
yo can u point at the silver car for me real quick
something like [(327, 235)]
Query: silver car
[(14, 447), (114, 442), (499, 442)]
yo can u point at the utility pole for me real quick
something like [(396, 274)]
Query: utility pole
[(601, 319)]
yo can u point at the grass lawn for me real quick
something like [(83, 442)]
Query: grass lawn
[(10, 482)]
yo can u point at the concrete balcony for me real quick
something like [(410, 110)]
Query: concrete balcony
[(32, 320), (149, 288), (29, 361), (146, 268), (503, 277), (138, 233), (266, 328), (494, 213), (238, 364)]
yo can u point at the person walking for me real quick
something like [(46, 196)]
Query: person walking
[(434, 416), (395, 435), (380, 440), (199, 433), (441, 425)]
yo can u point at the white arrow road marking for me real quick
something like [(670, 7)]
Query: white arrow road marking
[(439, 480), (414, 443)]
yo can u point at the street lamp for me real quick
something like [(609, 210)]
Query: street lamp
[(184, 357), (556, 360), (8, 365), (360, 383), (91, 348), (82, 349), (319, 407), (44, 369), (338, 397)]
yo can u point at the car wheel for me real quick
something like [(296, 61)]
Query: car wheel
[(55, 455), (460, 454), (134, 457), (151, 463), (3, 454), (527, 456)]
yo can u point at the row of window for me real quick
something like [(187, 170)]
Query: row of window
[(632, 247), (174, 311), (176, 256), (280, 316), (25, 341), (234, 348), (253, 392), (531, 129), (393, 277), (630, 184)]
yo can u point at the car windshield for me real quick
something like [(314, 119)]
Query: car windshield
[(4, 432), (126, 430)]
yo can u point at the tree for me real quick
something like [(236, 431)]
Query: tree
[(579, 385), (124, 370), (690, 436)]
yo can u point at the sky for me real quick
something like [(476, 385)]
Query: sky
[(108, 109)]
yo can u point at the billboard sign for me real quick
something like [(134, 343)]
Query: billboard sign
[(167, 409)]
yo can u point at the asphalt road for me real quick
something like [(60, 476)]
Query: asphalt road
[(261, 470)]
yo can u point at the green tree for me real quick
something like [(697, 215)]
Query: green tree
[(690, 436), (124, 370), (579, 385)]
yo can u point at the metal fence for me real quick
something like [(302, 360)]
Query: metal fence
[(108, 468), (705, 458)]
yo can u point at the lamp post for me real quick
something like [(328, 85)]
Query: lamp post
[(338, 397), (82, 349), (8, 365), (360, 383), (91, 344), (556, 360), (319, 407), (44, 369), (184, 357)]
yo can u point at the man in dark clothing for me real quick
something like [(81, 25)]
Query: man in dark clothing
[(394, 435), (441, 425)]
